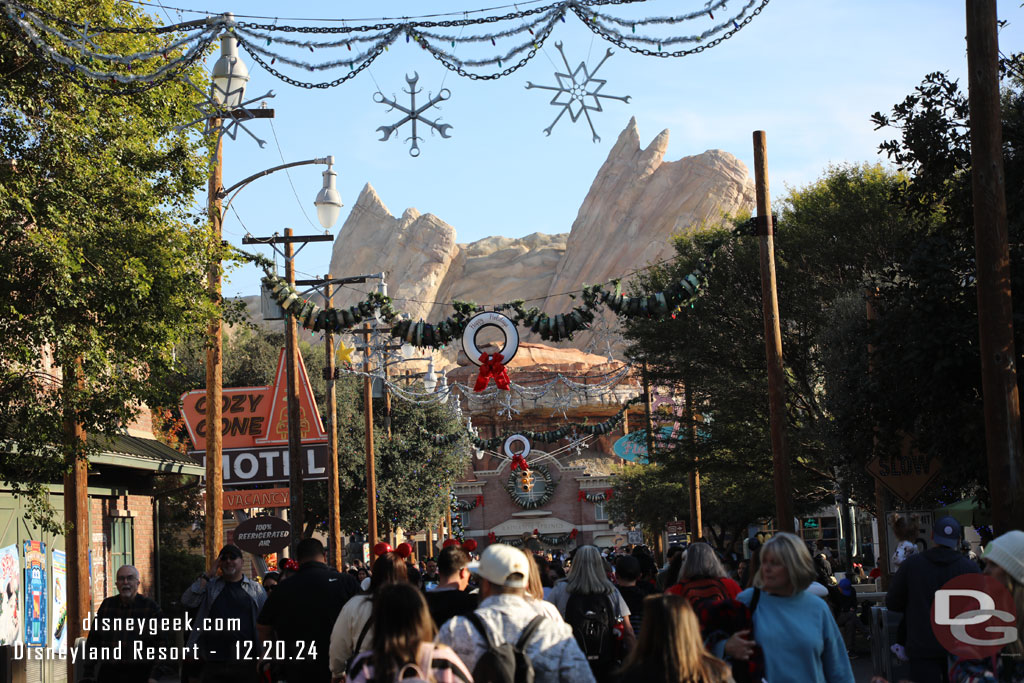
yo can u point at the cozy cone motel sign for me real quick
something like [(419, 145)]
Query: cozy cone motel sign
[(254, 423)]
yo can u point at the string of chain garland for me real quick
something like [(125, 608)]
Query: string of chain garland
[(549, 436), (559, 327), (531, 28)]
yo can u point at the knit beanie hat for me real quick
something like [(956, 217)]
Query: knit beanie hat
[(1008, 552)]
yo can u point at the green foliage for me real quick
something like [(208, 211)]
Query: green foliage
[(645, 496), (413, 474), (104, 250)]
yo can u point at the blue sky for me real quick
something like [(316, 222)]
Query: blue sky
[(808, 72)]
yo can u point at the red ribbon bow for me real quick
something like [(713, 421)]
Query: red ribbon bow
[(491, 536), (519, 463), (492, 368), (573, 533), (608, 494), (479, 500), (581, 495)]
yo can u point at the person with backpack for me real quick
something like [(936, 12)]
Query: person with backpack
[(508, 639), (596, 611), (670, 649), (703, 578), (353, 629), (794, 629), (403, 643)]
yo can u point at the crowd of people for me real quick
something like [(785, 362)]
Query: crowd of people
[(605, 616)]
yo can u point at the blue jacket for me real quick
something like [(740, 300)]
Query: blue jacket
[(196, 596)]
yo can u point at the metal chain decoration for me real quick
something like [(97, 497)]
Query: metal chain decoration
[(549, 436), (578, 87), (529, 29), (414, 113)]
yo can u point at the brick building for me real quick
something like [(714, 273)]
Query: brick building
[(565, 507), (123, 524)]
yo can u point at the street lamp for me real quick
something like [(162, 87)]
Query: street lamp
[(328, 200), (229, 73)]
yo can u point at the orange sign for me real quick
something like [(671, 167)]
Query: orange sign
[(255, 416), (906, 474), (257, 498)]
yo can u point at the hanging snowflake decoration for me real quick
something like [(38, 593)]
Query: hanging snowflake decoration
[(605, 336), (413, 113), (231, 118), (578, 92)]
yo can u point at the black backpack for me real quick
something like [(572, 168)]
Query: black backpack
[(592, 618), (503, 663)]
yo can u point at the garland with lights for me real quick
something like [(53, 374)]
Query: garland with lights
[(457, 531), (529, 29), (466, 506), (601, 497), (542, 473)]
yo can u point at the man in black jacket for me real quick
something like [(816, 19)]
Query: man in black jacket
[(298, 616), (913, 591)]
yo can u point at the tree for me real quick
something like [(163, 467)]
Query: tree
[(101, 273), (831, 235)]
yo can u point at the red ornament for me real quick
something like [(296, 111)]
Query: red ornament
[(491, 367), (480, 500), (581, 495), (448, 542), (381, 549), (469, 546), (403, 550)]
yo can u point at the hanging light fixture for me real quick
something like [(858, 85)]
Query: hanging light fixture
[(230, 75), (328, 200)]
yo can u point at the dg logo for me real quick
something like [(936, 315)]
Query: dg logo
[(974, 616)]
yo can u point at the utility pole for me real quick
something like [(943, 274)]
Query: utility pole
[(691, 418), (772, 340), (647, 412), (881, 495), (333, 493), (995, 309), (296, 510), (371, 476), (76, 513), (214, 377)]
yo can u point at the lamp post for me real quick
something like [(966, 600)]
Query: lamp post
[(229, 79)]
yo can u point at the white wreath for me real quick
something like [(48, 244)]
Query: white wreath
[(490, 319)]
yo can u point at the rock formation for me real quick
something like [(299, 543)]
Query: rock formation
[(635, 204)]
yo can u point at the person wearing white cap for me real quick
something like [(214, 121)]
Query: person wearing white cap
[(505, 614), (913, 591), (1004, 561)]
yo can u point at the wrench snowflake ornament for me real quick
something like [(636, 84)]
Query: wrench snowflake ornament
[(413, 113)]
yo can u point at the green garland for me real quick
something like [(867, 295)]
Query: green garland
[(528, 503), (561, 326), (456, 531), (549, 436)]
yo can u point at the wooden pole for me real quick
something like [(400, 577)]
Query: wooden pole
[(647, 414), (214, 530), (296, 509), (995, 308), (696, 524), (76, 515), (333, 492), (772, 340), (881, 495), (371, 476)]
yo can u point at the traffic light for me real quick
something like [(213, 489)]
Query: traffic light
[(526, 481)]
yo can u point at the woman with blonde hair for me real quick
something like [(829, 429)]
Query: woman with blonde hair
[(794, 628), (403, 639), (599, 617), (535, 590), (670, 649), (1004, 562)]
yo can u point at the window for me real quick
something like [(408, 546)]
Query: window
[(122, 544), (464, 518), (599, 514)]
